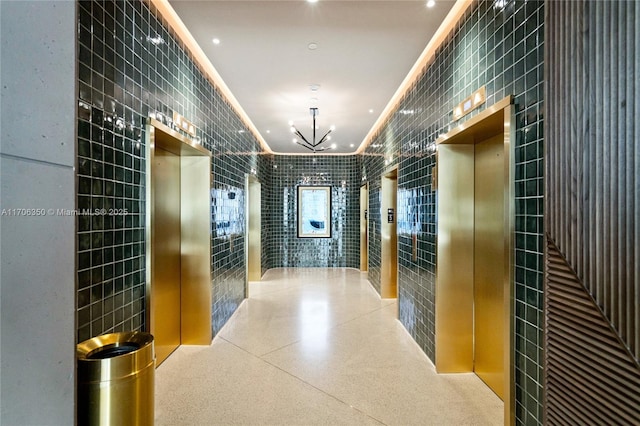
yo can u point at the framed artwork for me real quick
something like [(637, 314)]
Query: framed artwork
[(314, 212)]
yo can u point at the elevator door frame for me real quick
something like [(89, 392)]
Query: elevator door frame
[(195, 234), (454, 327), (253, 241), (389, 234)]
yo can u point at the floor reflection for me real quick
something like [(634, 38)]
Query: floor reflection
[(316, 346)]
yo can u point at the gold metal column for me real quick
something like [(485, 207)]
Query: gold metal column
[(178, 240)]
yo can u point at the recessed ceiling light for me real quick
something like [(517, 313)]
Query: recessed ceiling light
[(313, 45), (216, 41), (431, 3)]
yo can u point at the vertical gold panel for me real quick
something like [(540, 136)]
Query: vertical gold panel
[(508, 283), (166, 253), (195, 251), (489, 262), (389, 235), (254, 240), (454, 277), (364, 228)]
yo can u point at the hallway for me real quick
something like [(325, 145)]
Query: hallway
[(316, 346)]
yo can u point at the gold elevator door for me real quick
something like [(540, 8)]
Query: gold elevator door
[(474, 324), (489, 263), (254, 238), (388, 233), (167, 239)]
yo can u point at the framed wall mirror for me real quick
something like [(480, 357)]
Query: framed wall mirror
[(314, 212)]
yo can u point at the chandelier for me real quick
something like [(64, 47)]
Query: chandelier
[(312, 146)]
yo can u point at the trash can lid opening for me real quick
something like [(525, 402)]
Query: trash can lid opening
[(114, 350)]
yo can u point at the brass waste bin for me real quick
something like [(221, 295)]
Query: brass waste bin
[(116, 379)]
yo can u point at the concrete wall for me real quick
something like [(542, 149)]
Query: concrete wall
[(37, 288)]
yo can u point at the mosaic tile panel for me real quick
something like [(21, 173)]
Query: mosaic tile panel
[(285, 249)]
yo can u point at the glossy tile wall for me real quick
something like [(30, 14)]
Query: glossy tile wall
[(131, 66), (498, 44), (265, 171), (374, 163), (284, 248)]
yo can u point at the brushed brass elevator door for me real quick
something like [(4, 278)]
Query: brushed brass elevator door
[(177, 239), (165, 323), (489, 258), (388, 232), (474, 321), (254, 239)]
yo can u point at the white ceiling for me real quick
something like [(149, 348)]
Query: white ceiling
[(365, 49)]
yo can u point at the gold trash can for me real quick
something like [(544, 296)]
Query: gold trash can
[(116, 375)]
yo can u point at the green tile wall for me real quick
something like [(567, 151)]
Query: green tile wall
[(130, 65), (498, 44), (284, 248), (123, 77)]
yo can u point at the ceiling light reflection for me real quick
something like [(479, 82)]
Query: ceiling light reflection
[(156, 41), (314, 325)]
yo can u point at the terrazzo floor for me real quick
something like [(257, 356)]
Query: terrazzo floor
[(316, 346)]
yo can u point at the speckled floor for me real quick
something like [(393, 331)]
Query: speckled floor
[(316, 346)]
